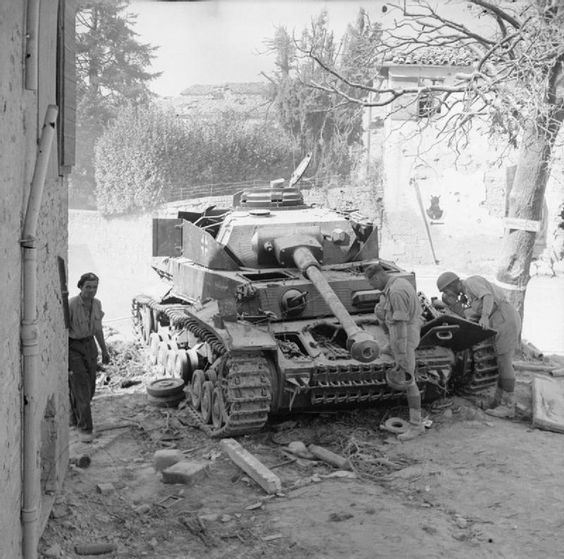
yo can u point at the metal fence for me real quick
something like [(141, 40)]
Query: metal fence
[(227, 188)]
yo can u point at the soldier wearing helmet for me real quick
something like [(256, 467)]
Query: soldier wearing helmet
[(486, 303), (399, 309)]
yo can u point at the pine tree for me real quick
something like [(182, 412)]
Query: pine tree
[(111, 73)]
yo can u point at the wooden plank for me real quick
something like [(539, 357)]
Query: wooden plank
[(548, 404), (522, 224), (268, 480)]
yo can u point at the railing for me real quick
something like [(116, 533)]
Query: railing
[(223, 189)]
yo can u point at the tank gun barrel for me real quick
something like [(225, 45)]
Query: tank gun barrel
[(359, 342)]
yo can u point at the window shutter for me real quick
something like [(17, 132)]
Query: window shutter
[(66, 85)]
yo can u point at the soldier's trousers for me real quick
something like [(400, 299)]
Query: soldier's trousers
[(83, 357)]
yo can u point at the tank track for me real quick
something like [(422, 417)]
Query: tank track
[(479, 369), (243, 378), (361, 383)]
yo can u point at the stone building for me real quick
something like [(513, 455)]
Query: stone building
[(36, 152), (440, 206), (250, 99)]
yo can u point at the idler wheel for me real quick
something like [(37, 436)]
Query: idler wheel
[(197, 388), (218, 408), (206, 405)]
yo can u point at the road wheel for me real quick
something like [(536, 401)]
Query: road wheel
[(163, 387), (197, 388), (181, 367), (169, 362), (154, 341), (147, 325), (218, 412), (166, 402), (207, 395), (162, 353)]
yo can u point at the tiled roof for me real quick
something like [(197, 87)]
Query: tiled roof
[(432, 56)]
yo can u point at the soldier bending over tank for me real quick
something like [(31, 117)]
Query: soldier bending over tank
[(485, 303), (400, 310)]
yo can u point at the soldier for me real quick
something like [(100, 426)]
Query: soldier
[(400, 310), (486, 304), (85, 328)]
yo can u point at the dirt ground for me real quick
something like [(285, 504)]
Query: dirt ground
[(472, 486)]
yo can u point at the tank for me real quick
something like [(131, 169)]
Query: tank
[(267, 311)]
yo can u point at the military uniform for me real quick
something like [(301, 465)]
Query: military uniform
[(400, 304), (84, 322), (504, 318), (400, 310)]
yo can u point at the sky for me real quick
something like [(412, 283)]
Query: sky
[(220, 41)]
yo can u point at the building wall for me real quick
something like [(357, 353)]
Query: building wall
[(471, 185), (23, 113)]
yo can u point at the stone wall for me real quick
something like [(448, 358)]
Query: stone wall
[(23, 113)]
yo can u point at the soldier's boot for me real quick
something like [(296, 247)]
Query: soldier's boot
[(492, 401), (506, 408), (415, 428)]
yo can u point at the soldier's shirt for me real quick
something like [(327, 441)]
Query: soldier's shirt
[(399, 304), (504, 318), (84, 322)]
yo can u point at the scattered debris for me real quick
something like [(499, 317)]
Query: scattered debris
[(197, 527), (329, 457), (284, 426), (105, 489), (395, 425), (268, 480), (82, 461), (531, 350), (94, 548), (143, 508), (535, 367), (271, 537), (126, 383), (164, 458), (185, 472), (53, 551), (299, 449), (340, 516), (548, 404)]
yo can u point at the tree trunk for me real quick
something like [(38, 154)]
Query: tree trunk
[(526, 202)]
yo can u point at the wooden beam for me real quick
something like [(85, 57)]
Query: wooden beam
[(548, 404), (268, 480)]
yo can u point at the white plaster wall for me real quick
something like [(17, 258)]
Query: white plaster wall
[(471, 189), (22, 114)]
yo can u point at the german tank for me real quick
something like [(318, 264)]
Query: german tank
[(268, 311)]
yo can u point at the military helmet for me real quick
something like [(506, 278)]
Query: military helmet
[(445, 279)]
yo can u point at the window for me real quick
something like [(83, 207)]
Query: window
[(428, 102)]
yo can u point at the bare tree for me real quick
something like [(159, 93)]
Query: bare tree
[(515, 84)]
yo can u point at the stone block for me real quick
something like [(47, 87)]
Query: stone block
[(163, 459), (186, 472)]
